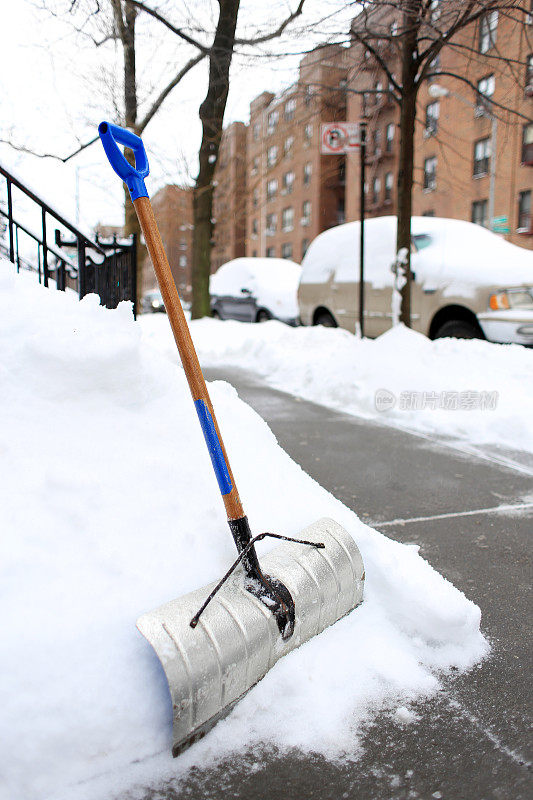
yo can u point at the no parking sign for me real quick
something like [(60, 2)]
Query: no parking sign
[(339, 137)]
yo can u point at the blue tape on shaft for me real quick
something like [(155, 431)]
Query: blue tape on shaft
[(214, 447)]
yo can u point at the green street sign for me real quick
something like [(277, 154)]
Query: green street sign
[(497, 221)]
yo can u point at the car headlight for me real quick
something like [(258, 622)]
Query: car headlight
[(511, 298)]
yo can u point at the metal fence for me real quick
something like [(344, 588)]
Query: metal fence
[(74, 259)]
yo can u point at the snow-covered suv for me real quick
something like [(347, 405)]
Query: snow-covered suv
[(469, 282)]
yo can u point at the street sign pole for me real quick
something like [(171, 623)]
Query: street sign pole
[(342, 138), (362, 133)]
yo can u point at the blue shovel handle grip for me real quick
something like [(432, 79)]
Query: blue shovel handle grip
[(133, 177)]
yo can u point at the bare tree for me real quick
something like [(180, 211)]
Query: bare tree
[(102, 21), (410, 35)]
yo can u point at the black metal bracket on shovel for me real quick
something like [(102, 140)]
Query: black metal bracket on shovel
[(271, 592)]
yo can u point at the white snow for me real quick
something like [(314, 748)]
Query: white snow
[(109, 508), (415, 375), (457, 256), (272, 281)]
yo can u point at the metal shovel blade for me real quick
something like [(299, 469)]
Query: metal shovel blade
[(211, 667)]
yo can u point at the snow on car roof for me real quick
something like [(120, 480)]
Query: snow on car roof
[(249, 273), (459, 251)]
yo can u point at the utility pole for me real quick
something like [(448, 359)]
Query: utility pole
[(362, 133)]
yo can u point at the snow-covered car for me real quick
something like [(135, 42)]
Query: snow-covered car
[(469, 282), (256, 290)]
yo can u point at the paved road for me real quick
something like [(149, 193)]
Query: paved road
[(472, 741)]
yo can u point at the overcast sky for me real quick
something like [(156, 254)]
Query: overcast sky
[(56, 87)]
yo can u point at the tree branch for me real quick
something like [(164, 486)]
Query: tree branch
[(166, 91), (156, 15), (268, 36), (23, 149)]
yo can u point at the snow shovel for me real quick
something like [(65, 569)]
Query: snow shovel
[(217, 642)]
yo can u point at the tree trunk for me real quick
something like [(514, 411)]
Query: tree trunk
[(212, 117), (410, 26), (127, 34)]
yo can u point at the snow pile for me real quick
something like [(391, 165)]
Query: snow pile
[(471, 390), (110, 508), (273, 282), (454, 255)]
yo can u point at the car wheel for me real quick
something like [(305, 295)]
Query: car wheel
[(459, 329), (215, 315), (263, 316), (326, 320)]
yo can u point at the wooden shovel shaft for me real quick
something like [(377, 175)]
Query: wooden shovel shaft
[(188, 356)]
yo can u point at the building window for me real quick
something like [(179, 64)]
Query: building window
[(487, 31), (286, 250), (377, 142), (529, 76), (272, 189), (255, 198), (434, 68), (288, 181), (182, 261), (389, 183), (289, 109), (271, 224), (308, 132), (305, 246), (271, 252), (257, 131), (432, 118), (480, 212), (481, 157), (272, 155), (183, 244), (308, 169), (435, 10), (430, 213), (255, 165), (430, 173), (376, 191), (272, 121), (378, 89), (306, 212), (254, 253), (287, 147), (527, 144), (524, 211), (287, 219), (308, 95), (485, 90), (393, 29), (254, 227), (389, 137)]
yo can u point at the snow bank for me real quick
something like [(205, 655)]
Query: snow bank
[(401, 378), (272, 281), (110, 508)]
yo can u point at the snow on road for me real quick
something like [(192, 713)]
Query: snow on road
[(109, 508), (471, 390)]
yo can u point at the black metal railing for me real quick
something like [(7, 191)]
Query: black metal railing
[(75, 260)]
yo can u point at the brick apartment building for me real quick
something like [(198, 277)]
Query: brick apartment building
[(293, 193), (229, 197), (174, 213), (455, 129)]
